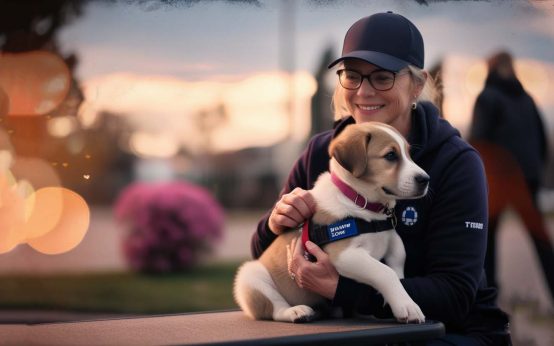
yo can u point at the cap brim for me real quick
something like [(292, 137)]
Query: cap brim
[(382, 60)]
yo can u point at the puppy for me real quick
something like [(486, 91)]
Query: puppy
[(370, 169)]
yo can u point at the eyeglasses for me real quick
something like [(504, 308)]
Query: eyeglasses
[(381, 80)]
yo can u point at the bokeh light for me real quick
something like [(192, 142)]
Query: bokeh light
[(33, 207), (62, 126), (36, 82), (12, 214), (46, 213), (475, 77), (151, 145), (535, 79), (71, 227), (38, 172)]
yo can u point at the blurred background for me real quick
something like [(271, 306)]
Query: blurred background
[(118, 118)]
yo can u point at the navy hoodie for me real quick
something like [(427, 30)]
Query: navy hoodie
[(444, 233)]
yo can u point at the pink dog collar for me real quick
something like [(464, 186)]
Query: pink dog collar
[(355, 197)]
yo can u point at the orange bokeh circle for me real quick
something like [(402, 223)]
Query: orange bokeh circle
[(71, 227), (35, 82)]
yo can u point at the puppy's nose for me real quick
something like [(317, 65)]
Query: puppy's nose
[(422, 180)]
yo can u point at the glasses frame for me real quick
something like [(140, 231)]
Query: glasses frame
[(368, 77)]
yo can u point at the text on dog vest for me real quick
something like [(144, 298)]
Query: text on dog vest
[(342, 229)]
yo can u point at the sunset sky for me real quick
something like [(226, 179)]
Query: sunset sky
[(162, 65)]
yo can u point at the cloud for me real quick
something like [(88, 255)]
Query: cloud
[(253, 111)]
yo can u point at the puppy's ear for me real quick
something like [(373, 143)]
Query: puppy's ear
[(350, 150)]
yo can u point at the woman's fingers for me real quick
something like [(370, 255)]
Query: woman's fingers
[(291, 210), (320, 277), (284, 221), (303, 202), (319, 254), (287, 208)]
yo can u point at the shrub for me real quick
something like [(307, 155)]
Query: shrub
[(168, 226)]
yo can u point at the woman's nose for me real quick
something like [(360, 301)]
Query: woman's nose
[(366, 88)]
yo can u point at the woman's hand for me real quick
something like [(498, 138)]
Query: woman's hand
[(291, 210), (320, 277)]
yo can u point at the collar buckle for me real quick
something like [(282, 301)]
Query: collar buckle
[(356, 201), (390, 214)]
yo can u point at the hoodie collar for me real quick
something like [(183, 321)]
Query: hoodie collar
[(429, 130)]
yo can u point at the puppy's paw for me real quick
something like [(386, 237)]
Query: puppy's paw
[(407, 312), (300, 314)]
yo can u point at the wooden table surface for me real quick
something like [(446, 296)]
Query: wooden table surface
[(217, 328)]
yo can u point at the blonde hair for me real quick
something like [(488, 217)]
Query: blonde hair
[(429, 93)]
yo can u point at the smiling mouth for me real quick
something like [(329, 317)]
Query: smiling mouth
[(369, 108)]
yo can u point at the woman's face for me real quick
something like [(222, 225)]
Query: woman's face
[(392, 106)]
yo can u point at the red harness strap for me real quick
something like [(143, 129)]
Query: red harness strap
[(305, 238), (306, 234)]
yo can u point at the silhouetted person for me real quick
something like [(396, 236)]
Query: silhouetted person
[(506, 115), (508, 131)]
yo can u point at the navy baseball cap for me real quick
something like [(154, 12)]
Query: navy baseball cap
[(387, 40)]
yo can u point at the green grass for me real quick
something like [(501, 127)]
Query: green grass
[(204, 288)]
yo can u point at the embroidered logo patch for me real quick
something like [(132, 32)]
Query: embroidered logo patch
[(342, 229), (409, 216)]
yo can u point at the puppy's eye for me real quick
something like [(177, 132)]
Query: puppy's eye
[(391, 156)]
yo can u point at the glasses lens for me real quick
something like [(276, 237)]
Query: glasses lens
[(382, 80), (350, 79)]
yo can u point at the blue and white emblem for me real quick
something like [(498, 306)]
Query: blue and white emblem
[(409, 216)]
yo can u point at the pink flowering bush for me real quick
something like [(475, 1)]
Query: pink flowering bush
[(168, 225)]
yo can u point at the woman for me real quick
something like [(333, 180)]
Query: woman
[(381, 78)]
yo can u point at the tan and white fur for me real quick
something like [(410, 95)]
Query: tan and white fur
[(373, 159)]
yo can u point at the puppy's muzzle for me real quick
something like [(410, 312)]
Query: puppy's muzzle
[(422, 183)]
